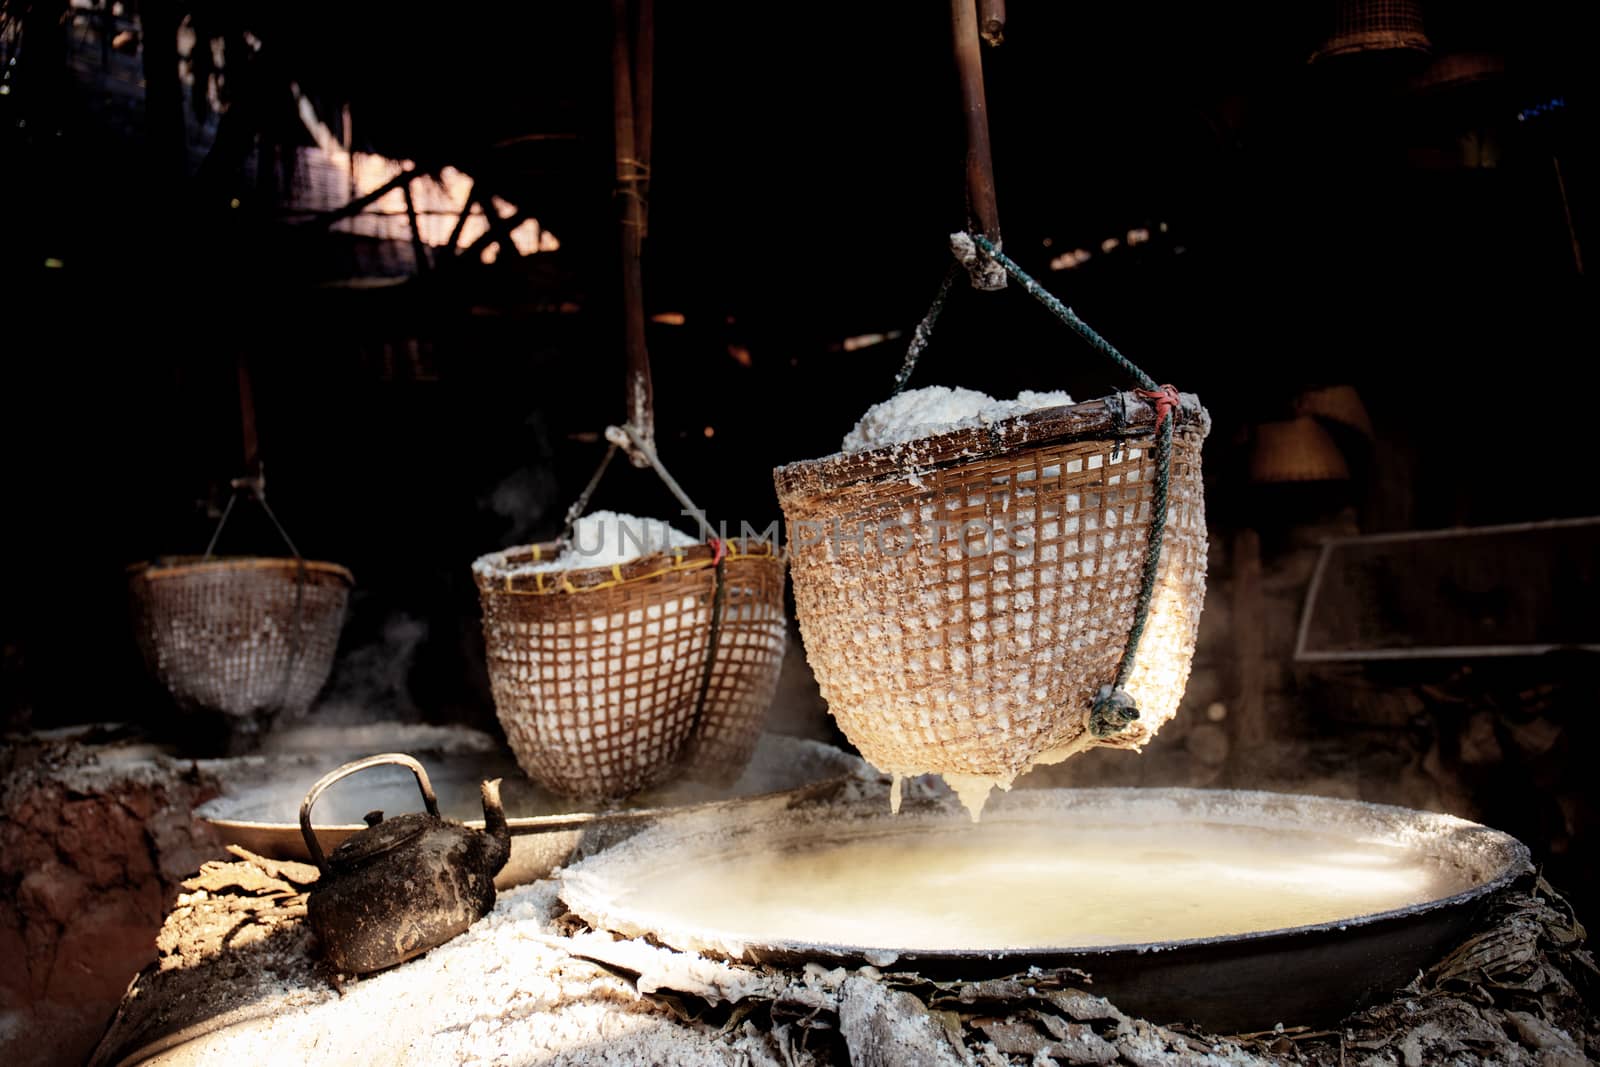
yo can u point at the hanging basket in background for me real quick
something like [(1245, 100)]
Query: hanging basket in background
[(1373, 27), (1296, 450), (251, 639)]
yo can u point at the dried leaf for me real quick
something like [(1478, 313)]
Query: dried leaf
[(1076, 1043), (218, 876), (1086, 1007), (1013, 1037), (299, 874)]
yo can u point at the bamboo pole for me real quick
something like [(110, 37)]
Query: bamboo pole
[(247, 420), (643, 55), (992, 20), (985, 215), (629, 176)]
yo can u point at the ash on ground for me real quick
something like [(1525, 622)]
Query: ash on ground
[(531, 984)]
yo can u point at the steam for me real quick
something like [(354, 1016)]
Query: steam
[(525, 497), (371, 681)]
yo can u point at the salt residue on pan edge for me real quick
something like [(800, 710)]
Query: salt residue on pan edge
[(937, 409), (599, 539), (617, 889)]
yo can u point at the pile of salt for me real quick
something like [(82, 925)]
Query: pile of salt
[(937, 409), (599, 539)]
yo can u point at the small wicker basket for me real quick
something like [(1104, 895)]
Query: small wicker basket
[(1296, 450), (607, 679), (251, 638), (1366, 27), (936, 657)]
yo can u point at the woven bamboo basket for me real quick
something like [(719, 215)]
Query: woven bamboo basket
[(251, 638), (1296, 450), (1373, 26), (978, 647), (601, 676), (1338, 404)]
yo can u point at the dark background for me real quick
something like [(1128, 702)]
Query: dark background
[(1322, 225)]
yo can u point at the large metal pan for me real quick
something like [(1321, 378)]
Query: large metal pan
[(547, 831), (1302, 975)]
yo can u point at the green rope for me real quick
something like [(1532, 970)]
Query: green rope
[(1114, 708), (719, 600), (1152, 558), (1064, 313), (580, 505), (924, 331)]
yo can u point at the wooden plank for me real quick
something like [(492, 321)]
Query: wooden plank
[(629, 177)]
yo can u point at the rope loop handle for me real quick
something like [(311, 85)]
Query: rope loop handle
[(256, 487), (1165, 400), (628, 438)]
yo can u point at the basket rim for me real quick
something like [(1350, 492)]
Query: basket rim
[(178, 566), (489, 575), (1116, 417)]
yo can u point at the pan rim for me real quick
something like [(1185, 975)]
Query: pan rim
[(1511, 860)]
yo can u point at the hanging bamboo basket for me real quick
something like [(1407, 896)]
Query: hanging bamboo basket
[(1373, 27), (250, 638), (944, 645)]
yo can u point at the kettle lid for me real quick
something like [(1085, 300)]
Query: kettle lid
[(384, 837)]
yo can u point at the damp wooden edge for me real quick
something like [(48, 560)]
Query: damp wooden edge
[(1091, 420), (489, 572)]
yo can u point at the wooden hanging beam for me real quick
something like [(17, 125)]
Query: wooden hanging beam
[(985, 215), (630, 176), (644, 80), (247, 420)]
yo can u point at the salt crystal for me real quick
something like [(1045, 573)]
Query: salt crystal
[(936, 409), (599, 539)]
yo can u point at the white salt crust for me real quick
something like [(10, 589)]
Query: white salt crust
[(938, 409), (599, 539)]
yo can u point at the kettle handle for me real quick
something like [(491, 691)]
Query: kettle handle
[(313, 846)]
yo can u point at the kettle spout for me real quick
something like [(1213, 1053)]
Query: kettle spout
[(494, 823)]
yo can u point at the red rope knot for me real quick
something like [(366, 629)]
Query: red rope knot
[(1163, 399), (719, 548)]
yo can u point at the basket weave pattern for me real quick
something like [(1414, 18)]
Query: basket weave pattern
[(222, 635), (596, 679), (948, 650), (1374, 26)]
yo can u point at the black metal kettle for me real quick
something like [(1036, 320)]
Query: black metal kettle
[(403, 885)]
